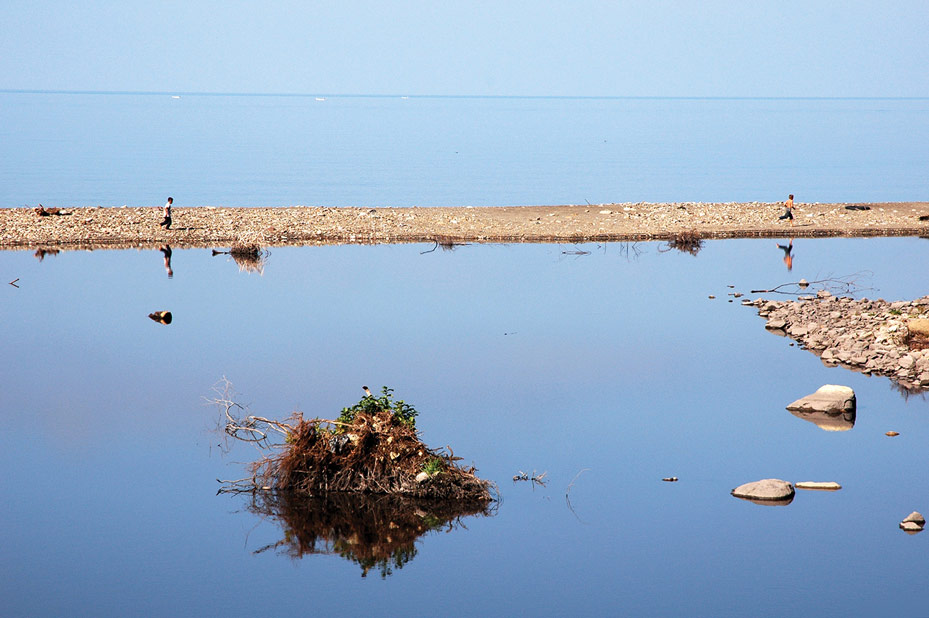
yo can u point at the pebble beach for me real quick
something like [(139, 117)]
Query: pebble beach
[(204, 226)]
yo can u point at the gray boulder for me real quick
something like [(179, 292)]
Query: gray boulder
[(766, 491), (830, 399)]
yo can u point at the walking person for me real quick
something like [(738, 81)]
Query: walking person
[(167, 212), (788, 209)]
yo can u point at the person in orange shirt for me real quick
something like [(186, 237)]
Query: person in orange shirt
[(788, 209)]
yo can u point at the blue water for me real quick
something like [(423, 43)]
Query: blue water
[(608, 370), (134, 149)]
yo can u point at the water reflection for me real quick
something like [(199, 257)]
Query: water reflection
[(41, 253), (840, 421), (166, 252), (376, 532), (249, 257), (788, 255)]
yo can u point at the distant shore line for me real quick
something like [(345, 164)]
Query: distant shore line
[(208, 226)]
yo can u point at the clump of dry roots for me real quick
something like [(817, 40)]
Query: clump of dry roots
[(372, 449)]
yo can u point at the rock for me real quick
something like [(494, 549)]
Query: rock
[(803, 283), (776, 324), (163, 317), (765, 490), (910, 527), (422, 477), (892, 434), (822, 486), (916, 517), (918, 327), (829, 398)]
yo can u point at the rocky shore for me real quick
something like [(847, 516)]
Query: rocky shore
[(871, 336), (122, 227)]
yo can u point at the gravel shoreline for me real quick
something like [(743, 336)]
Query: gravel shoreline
[(208, 226)]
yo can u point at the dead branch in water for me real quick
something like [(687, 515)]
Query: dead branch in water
[(838, 285), (567, 493)]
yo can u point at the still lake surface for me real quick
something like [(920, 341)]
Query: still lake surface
[(521, 358), (112, 149), (607, 370)]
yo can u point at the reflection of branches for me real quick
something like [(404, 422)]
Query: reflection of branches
[(446, 244), (838, 285), (630, 250), (908, 391)]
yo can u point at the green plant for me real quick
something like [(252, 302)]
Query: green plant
[(433, 466), (895, 312), (370, 404)]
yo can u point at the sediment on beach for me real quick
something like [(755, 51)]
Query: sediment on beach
[(122, 227)]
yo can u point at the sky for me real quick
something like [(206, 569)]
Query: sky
[(722, 48)]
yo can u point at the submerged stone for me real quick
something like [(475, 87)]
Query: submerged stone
[(820, 485)]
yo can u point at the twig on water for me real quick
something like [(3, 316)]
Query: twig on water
[(567, 494), (843, 285), (535, 477), (13, 283), (576, 252)]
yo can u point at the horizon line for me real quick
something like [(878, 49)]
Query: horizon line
[(451, 96)]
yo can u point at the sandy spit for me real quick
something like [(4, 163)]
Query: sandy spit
[(207, 226)]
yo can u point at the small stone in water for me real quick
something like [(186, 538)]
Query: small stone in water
[(892, 434)]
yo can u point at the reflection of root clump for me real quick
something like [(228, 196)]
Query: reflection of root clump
[(685, 242), (249, 257), (374, 531)]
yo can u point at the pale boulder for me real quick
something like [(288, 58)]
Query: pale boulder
[(830, 399), (765, 490)]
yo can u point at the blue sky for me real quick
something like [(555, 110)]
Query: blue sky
[(639, 48)]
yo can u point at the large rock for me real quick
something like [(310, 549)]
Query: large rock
[(773, 491), (829, 399)]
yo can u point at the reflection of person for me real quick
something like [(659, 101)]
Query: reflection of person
[(788, 209), (167, 210), (788, 257), (166, 250)]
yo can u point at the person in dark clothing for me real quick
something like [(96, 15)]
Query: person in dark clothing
[(167, 212)]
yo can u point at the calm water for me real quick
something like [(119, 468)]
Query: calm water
[(520, 357), (110, 150)]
